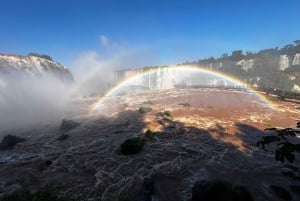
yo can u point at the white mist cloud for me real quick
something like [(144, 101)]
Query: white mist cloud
[(31, 100), (94, 70)]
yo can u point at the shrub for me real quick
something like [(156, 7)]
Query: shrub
[(151, 134), (167, 113), (9, 141), (132, 146)]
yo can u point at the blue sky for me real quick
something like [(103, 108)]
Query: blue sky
[(171, 31)]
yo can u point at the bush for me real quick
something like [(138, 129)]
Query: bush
[(167, 113), (132, 146), (151, 134), (9, 141)]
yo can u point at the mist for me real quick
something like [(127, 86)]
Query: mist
[(94, 70), (36, 100), (31, 100)]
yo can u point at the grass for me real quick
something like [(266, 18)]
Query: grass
[(132, 146)]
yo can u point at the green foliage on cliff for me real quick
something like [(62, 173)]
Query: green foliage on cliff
[(44, 56)]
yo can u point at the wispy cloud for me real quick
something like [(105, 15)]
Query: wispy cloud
[(104, 41)]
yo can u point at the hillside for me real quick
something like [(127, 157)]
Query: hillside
[(268, 68)]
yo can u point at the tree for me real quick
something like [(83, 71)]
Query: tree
[(286, 146), (297, 42), (237, 55), (40, 55)]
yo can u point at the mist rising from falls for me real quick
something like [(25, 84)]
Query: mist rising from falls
[(29, 101)]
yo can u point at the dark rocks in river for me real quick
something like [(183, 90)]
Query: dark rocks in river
[(9, 142), (68, 124), (44, 164), (132, 146), (145, 109), (219, 191), (281, 192), (62, 137)]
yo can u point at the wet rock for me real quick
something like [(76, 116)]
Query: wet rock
[(62, 137), (145, 109), (132, 146), (9, 141), (44, 164), (146, 191), (68, 124), (219, 191), (295, 189), (281, 192)]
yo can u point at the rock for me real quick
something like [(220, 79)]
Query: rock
[(295, 189), (62, 137), (44, 164), (132, 146), (281, 192), (68, 124), (219, 191), (145, 192), (9, 141), (145, 109)]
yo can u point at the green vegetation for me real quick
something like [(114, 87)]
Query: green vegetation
[(285, 147), (44, 56), (9, 142), (132, 146), (210, 107), (44, 194), (265, 70), (185, 104), (168, 113), (151, 134), (219, 191), (145, 109)]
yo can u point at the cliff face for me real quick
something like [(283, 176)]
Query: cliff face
[(33, 66)]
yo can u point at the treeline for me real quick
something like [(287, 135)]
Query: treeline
[(265, 71), (44, 56)]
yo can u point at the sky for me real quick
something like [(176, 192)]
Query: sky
[(149, 32)]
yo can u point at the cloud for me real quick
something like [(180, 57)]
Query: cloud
[(104, 41)]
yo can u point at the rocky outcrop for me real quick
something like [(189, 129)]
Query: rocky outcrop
[(33, 66)]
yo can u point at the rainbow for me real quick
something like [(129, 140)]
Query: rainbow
[(224, 76)]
